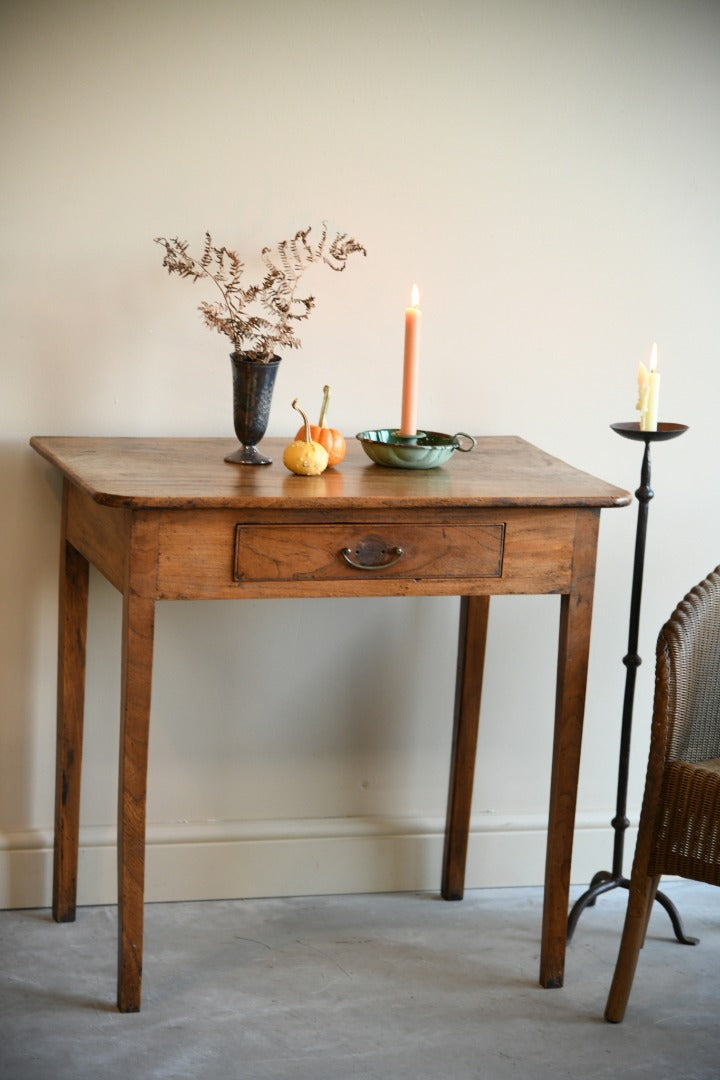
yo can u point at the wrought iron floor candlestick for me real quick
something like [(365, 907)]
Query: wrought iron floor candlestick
[(606, 880)]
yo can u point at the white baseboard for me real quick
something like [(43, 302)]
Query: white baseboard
[(224, 860)]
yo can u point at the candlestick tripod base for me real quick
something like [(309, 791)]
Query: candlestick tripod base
[(606, 880)]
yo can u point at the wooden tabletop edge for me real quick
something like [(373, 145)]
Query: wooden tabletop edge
[(123, 494)]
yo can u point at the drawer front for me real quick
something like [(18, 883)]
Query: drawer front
[(343, 552)]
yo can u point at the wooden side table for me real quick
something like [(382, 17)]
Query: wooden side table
[(168, 519)]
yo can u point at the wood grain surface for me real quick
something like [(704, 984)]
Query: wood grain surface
[(133, 472)]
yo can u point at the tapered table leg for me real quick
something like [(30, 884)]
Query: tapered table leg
[(468, 691), (573, 650), (137, 655), (73, 606)]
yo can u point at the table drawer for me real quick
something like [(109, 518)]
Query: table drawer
[(342, 552)]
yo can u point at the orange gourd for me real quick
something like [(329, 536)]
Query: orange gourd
[(328, 437)]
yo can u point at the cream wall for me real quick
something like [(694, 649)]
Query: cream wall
[(549, 173)]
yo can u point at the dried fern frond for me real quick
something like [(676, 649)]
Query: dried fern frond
[(340, 249), (250, 332)]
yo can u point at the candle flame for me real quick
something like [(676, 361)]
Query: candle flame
[(653, 357), (415, 296)]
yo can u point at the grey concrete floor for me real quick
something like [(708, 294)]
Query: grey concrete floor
[(382, 987)]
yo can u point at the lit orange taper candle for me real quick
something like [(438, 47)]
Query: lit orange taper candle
[(413, 317)]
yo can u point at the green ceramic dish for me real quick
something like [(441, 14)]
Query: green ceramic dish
[(426, 450)]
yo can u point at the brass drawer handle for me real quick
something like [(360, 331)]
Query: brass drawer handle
[(396, 553)]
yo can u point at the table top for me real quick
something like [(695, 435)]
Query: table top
[(191, 473)]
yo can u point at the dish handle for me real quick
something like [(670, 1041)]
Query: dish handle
[(464, 435)]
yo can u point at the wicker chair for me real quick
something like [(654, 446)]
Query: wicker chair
[(679, 831)]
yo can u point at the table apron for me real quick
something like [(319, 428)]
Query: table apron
[(226, 553)]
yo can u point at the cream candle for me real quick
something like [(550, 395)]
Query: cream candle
[(653, 393), (648, 393), (641, 405), (413, 317)]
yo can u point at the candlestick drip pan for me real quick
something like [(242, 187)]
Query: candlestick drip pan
[(631, 429), (426, 450)]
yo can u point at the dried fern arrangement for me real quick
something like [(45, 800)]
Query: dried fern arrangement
[(260, 318)]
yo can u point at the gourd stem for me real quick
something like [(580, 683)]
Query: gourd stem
[(307, 426), (323, 410)]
